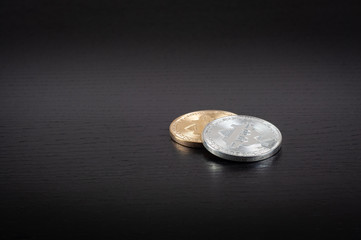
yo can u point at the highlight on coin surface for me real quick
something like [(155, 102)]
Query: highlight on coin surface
[(187, 129), (242, 138)]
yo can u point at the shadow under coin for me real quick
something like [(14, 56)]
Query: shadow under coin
[(183, 150), (219, 163), (215, 163)]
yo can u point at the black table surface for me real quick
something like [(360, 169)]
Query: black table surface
[(85, 149)]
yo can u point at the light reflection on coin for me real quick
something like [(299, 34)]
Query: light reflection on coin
[(242, 138), (187, 129)]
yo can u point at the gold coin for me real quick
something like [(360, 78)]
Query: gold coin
[(187, 129)]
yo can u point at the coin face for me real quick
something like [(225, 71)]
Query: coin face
[(187, 129), (242, 138)]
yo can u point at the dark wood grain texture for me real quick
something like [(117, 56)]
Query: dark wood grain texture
[(85, 149)]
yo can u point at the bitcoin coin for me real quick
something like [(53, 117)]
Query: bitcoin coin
[(242, 138), (187, 129)]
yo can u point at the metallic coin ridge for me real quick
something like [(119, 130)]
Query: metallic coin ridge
[(228, 154), (181, 138)]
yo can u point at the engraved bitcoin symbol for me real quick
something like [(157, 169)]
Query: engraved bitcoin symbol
[(193, 128), (197, 126), (240, 135)]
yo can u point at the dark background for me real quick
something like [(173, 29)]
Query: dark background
[(88, 90)]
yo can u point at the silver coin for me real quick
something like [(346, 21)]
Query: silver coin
[(242, 138)]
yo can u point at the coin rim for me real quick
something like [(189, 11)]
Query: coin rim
[(187, 143), (238, 158)]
